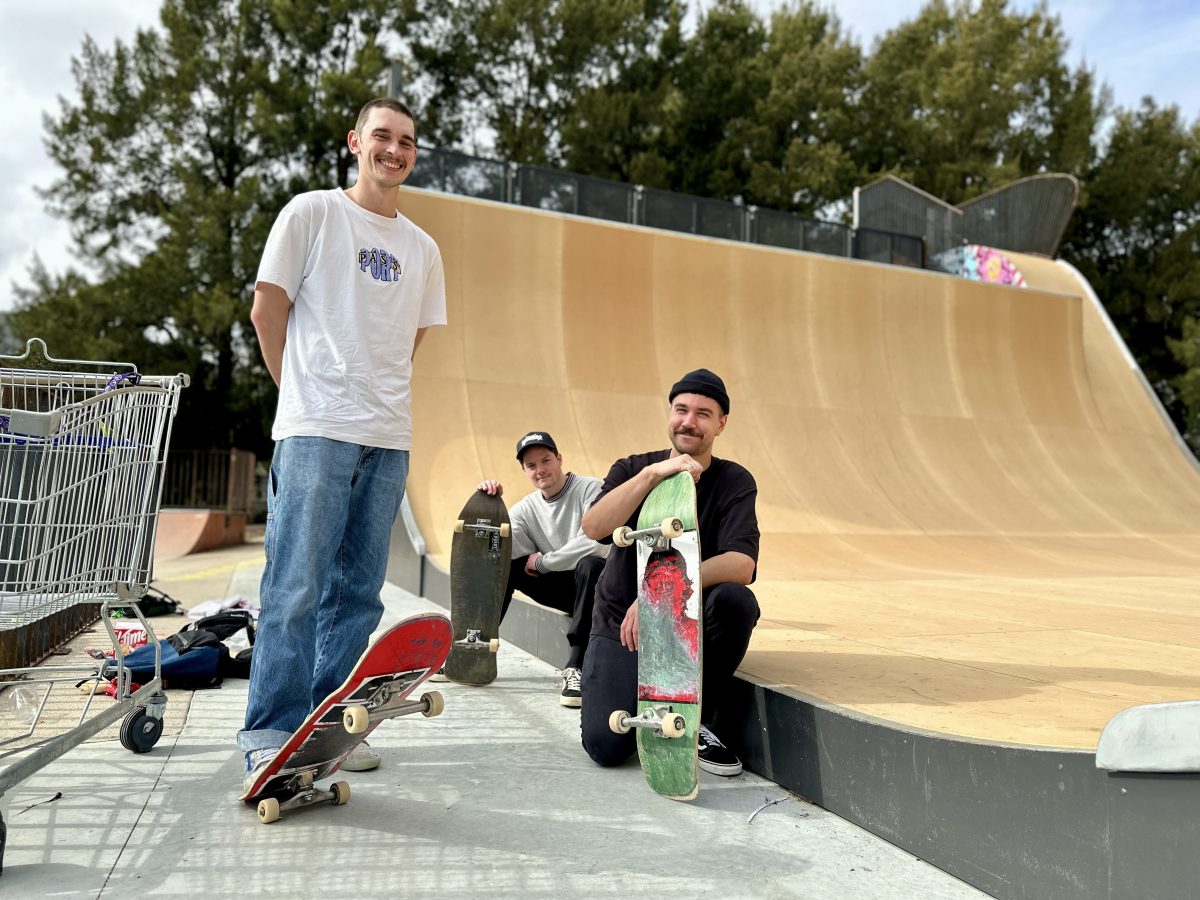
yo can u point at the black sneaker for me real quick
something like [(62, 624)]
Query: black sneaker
[(715, 757), (572, 688)]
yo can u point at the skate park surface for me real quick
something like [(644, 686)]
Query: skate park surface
[(495, 797), (978, 527)]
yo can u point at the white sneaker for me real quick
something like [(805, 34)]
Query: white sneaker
[(361, 759), (439, 675), (256, 762)]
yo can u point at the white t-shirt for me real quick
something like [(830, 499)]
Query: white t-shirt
[(361, 285)]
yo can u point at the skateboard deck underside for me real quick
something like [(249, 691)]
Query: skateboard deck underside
[(670, 624), (479, 562), (384, 677)]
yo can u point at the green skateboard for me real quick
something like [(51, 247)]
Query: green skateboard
[(670, 611)]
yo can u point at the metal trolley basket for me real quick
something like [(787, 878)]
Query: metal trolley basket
[(82, 451)]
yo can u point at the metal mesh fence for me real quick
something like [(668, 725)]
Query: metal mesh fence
[(582, 195), (793, 232), (895, 206), (693, 215), (1027, 216), (885, 247), (457, 173), (553, 190)]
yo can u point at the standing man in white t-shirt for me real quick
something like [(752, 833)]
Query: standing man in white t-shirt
[(345, 291)]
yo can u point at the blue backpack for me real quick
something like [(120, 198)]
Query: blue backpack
[(198, 668), (195, 658)]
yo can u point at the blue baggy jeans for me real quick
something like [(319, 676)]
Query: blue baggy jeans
[(330, 510)]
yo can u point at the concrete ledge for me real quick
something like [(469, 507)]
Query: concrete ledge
[(1157, 737)]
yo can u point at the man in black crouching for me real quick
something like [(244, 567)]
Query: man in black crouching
[(725, 496)]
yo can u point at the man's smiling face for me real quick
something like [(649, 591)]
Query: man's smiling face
[(386, 147)]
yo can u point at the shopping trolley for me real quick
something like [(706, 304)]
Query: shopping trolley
[(82, 451)]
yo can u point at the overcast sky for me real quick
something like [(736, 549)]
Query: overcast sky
[(1148, 47)]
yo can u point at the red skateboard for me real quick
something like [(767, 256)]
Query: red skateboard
[(376, 689)]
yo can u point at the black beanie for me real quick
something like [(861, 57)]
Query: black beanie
[(702, 382)]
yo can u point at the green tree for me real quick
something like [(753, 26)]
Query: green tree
[(738, 110), (1136, 237), (176, 157), (965, 98), (501, 75)]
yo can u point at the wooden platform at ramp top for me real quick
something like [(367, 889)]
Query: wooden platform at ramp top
[(980, 537)]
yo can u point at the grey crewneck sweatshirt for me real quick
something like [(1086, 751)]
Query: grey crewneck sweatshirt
[(553, 527)]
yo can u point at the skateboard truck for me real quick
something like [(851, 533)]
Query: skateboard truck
[(492, 532), (302, 793), (659, 719), (474, 641), (357, 719), (656, 538)]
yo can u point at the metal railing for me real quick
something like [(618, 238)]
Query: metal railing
[(210, 479), (554, 190)]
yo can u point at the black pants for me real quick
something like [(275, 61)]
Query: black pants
[(570, 592), (610, 671)]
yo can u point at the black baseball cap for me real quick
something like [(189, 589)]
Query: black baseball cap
[(536, 439)]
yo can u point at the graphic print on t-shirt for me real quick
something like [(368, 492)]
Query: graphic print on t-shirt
[(382, 265)]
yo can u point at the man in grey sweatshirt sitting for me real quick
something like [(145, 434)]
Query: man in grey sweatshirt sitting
[(554, 562)]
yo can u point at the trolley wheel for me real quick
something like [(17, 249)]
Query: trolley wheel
[(674, 726), (268, 810), (341, 793), (458, 526), (617, 723), (672, 528), (356, 719), (621, 536), (434, 704), (494, 645), (140, 731)]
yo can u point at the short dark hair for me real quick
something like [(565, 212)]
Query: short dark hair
[(387, 103)]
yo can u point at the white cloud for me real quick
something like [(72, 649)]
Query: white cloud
[(37, 41)]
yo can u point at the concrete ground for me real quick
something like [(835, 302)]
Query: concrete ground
[(493, 797)]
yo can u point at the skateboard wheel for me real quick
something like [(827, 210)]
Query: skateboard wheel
[(674, 726), (341, 793), (458, 526), (621, 536), (434, 704), (618, 723), (505, 529), (672, 528), (494, 645), (356, 719), (268, 810)]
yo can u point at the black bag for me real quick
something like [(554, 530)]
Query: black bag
[(222, 626)]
